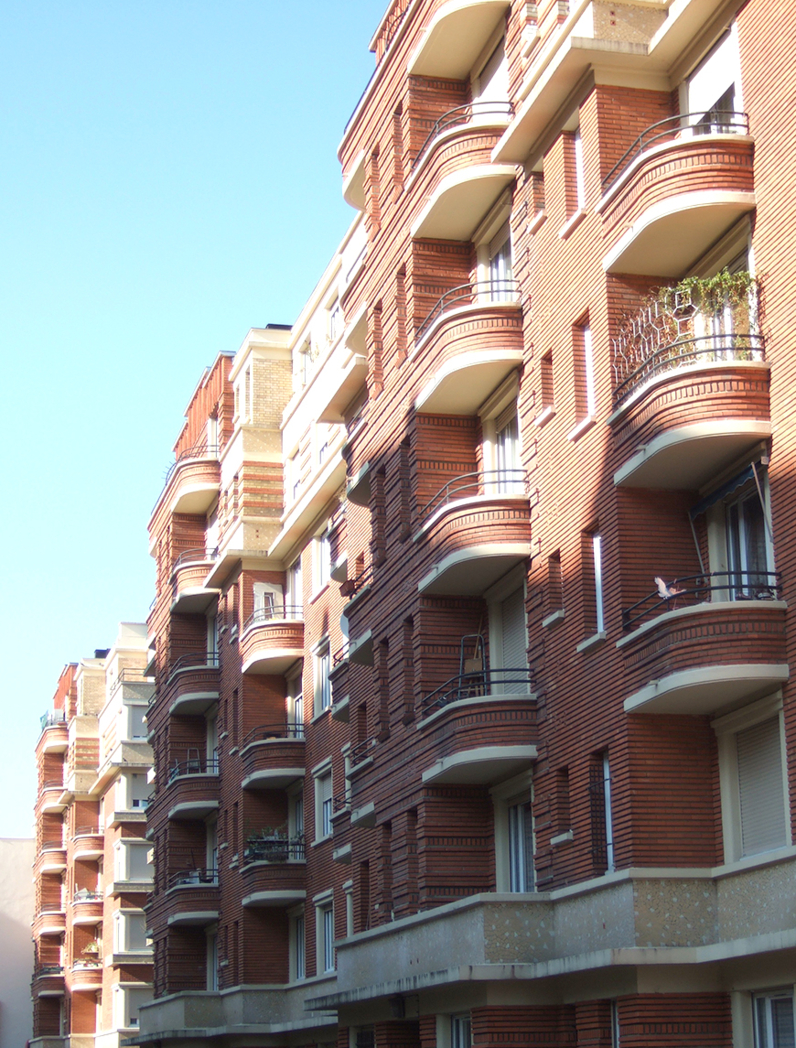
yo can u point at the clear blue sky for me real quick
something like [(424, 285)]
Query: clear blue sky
[(168, 180)]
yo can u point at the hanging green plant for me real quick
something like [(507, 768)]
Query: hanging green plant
[(710, 295)]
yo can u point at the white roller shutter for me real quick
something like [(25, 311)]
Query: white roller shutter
[(760, 788)]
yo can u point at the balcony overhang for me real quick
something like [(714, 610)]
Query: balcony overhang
[(195, 498), (343, 387), (87, 852), (286, 897), (228, 560), (53, 865), (187, 810), (364, 815), (708, 689), (462, 383), (193, 600), (687, 457), (55, 742), (672, 234), (480, 765), (86, 917), (192, 703), (272, 660), (272, 779), (354, 183), (360, 649), (358, 491), (455, 37), (55, 927), (193, 919), (456, 207), (471, 571)]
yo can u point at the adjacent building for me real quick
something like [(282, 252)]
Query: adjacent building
[(471, 715), (93, 965)]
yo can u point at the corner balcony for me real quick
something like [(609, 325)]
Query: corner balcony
[(460, 185), (52, 856), (273, 871), (87, 907), (193, 789), (272, 756), (50, 796), (49, 922), (474, 530), (460, 130), (455, 36), (55, 733), (682, 184), (89, 843), (86, 977), (716, 643), (192, 482), (189, 595), (479, 728), (691, 392), (272, 639), (193, 683), (473, 333), (194, 898), (48, 981)]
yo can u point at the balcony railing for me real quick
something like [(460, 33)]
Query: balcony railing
[(274, 849), (52, 717), (274, 611), (84, 895), (52, 784), (198, 451), (202, 660), (49, 969), (353, 586), (194, 876), (702, 589), (480, 683), (53, 845), (469, 485), (87, 831), (674, 333), (130, 675), (361, 751), (715, 122), (199, 555), (285, 730), (193, 766), (486, 291), (472, 112)]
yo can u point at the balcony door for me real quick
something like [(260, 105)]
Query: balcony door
[(748, 559), (508, 459), (501, 275), (508, 644)]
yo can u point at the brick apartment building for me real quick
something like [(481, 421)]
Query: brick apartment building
[(472, 719), (92, 963)]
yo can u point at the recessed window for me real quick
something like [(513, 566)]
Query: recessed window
[(323, 686), (322, 559), (774, 1026), (323, 805), (461, 1036), (324, 930)]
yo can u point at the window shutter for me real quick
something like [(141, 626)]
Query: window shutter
[(514, 639), (760, 788)]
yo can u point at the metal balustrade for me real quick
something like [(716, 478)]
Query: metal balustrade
[(682, 126), (290, 612), (195, 876), (486, 683), (274, 849), (485, 292), (198, 555), (85, 895), (475, 113), (193, 766), (691, 590), (469, 485), (201, 660), (284, 730), (52, 718)]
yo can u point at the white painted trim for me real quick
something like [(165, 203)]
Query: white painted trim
[(487, 551), (766, 673), (699, 609), (592, 642), (479, 755)]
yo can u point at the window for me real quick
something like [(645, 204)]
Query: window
[(597, 559), (323, 804), (460, 1031), (492, 83), (131, 861), (335, 320), (139, 791), (137, 722), (298, 946), (267, 599), (580, 173), (294, 589), (747, 546), (127, 1000), (510, 478), (324, 925), (520, 820), (755, 816), (501, 283), (773, 1015), (129, 932), (323, 687), (295, 707), (602, 830), (212, 960), (322, 560), (713, 88)]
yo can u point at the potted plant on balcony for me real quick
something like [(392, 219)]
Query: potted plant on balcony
[(270, 844), (91, 950)]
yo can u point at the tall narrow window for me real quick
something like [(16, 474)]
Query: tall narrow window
[(323, 805), (460, 1031), (323, 687), (580, 173), (602, 830), (597, 555), (761, 788), (508, 459), (585, 384), (325, 932), (774, 1027), (323, 560), (299, 954), (747, 547), (501, 283), (520, 825)]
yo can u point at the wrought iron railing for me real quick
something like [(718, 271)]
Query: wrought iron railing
[(360, 752), (84, 895), (201, 660), (45, 970), (87, 831), (53, 845), (673, 127), (341, 802), (274, 849), (293, 612), (353, 586), (672, 333), (196, 875), (52, 718), (199, 555), (468, 485), (486, 291), (484, 683), (473, 112), (130, 675), (283, 730), (691, 590), (193, 766), (197, 451)]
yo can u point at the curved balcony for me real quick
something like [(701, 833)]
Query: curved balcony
[(479, 727), (473, 333), (52, 857), (189, 595), (89, 843), (49, 796), (193, 789), (192, 687), (55, 733), (460, 184), (273, 872), (713, 642), (192, 482), (475, 529), (86, 976), (680, 186), (689, 401), (272, 639), (272, 756), (49, 922), (194, 898), (86, 907), (461, 121), (455, 36), (48, 981)]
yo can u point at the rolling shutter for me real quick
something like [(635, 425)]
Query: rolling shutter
[(760, 788)]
